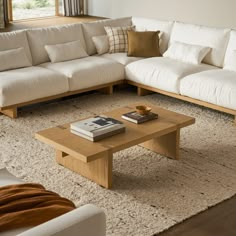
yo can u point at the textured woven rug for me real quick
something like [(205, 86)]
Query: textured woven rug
[(150, 192)]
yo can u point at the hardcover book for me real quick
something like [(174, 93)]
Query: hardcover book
[(99, 137), (135, 117), (96, 126)]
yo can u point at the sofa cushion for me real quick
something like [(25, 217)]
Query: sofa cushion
[(143, 44), (149, 24), (187, 53), (40, 37), (101, 44), (13, 40), (27, 84), (214, 38), (230, 56), (231, 62), (88, 72), (13, 59), (96, 28), (215, 86), (162, 73), (65, 51), (121, 57), (118, 38)]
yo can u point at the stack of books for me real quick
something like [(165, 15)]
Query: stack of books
[(97, 128), (137, 118)]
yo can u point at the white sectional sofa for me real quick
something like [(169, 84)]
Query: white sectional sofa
[(210, 84), (87, 220)]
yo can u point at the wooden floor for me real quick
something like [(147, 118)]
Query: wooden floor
[(49, 21), (219, 220)]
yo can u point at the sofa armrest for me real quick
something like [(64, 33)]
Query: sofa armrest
[(87, 220)]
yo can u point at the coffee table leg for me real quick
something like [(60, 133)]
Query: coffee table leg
[(99, 171), (167, 145)]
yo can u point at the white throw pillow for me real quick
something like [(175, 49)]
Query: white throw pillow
[(231, 61), (13, 59), (65, 51), (187, 53), (101, 43)]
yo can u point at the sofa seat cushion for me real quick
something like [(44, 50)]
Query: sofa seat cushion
[(27, 84), (215, 86), (121, 57), (162, 73), (88, 72)]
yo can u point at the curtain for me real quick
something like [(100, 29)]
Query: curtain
[(74, 7), (3, 13)]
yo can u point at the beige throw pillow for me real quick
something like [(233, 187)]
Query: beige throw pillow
[(188, 53), (143, 44), (118, 38), (65, 51), (101, 43), (13, 59)]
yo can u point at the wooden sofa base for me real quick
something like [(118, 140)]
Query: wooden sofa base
[(11, 111), (143, 90)]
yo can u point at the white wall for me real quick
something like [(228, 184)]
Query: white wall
[(219, 13), (100, 8)]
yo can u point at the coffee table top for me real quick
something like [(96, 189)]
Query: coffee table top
[(62, 139)]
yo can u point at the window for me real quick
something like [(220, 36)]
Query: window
[(27, 9)]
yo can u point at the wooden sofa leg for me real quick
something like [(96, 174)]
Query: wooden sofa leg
[(143, 92), (12, 113), (107, 90)]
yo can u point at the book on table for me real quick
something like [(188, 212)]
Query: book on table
[(97, 128), (137, 118), (99, 137)]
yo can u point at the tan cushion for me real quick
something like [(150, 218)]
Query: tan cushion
[(118, 38), (143, 44)]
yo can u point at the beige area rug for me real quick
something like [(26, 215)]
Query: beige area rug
[(150, 192)]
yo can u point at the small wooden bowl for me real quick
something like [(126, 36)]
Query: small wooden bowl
[(143, 110)]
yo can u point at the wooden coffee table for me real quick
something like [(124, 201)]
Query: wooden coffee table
[(94, 159)]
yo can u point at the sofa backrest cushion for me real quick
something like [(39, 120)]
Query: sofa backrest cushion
[(231, 51), (40, 37), (14, 40), (149, 24), (96, 28), (215, 38), (13, 59)]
